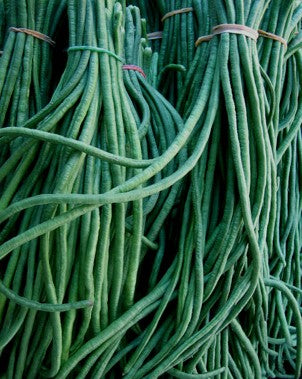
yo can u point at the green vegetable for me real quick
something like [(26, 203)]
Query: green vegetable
[(150, 191)]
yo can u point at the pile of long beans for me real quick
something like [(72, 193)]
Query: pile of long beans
[(150, 189)]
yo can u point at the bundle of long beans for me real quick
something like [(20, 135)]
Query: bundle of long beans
[(26, 64), (137, 239), (221, 246), (284, 239), (214, 247), (177, 46), (105, 244)]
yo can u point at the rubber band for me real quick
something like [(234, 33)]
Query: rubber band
[(155, 35), (133, 67), (95, 50), (33, 33), (272, 36), (229, 28), (236, 29), (240, 29), (177, 11), (201, 39)]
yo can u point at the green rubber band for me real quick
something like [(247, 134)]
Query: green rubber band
[(96, 50)]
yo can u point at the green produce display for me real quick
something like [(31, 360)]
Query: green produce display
[(150, 189)]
